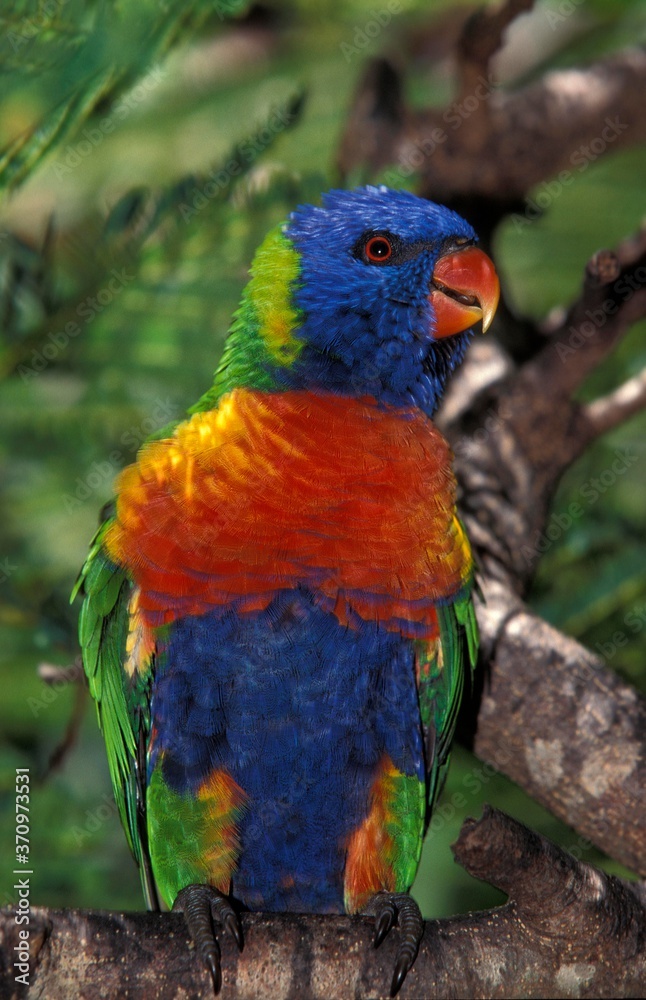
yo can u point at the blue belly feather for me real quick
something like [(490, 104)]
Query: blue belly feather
[(299, 710)]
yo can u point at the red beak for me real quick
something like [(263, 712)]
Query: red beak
[(465, 290)]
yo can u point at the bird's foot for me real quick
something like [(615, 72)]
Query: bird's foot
[(203, 906), (388, 908)]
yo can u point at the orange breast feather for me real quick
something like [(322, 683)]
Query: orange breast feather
[(272, 490)]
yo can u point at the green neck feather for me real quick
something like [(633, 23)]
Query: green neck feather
[(261, 339)]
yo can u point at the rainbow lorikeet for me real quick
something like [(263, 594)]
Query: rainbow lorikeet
[(278, 612)]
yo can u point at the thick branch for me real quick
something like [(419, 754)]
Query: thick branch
[(567, 931), (515, 436), (612, 299), (481, 37), (565, 728), (493, 145), (614, 409), (551, 717)]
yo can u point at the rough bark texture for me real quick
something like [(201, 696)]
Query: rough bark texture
[(567, 930), (489, 147), (549, 714), (577, 732)]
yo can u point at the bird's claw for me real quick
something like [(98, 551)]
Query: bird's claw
[(386, 908), (202, 905)]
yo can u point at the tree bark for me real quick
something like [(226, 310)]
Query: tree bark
[(484, 151), (567, 931), (551, 716)]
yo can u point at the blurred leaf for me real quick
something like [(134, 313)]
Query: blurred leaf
[(114, 48)]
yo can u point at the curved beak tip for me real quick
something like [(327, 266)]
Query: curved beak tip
[(489, 309)]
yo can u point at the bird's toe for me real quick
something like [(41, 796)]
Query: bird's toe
[(203, 906)]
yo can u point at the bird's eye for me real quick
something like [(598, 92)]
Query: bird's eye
[(378, 249)]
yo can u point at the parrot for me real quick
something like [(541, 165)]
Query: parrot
[(278, 607)]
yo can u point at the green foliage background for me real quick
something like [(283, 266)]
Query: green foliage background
[(103, 233)]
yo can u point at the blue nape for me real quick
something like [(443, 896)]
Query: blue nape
[(299, 710)]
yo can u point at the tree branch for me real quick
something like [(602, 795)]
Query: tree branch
[(566, 931), (612, 299), (488, 148), (608, 412), (515, 435), (481, 37), (551, 716), (563, 727)]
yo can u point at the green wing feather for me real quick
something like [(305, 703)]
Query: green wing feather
[(442, 668), (122, 703)]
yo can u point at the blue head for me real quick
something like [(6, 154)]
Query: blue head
[(389, 288), (373, 294)]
